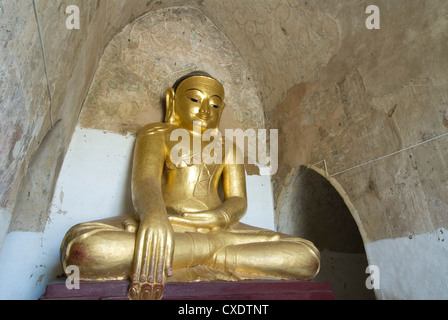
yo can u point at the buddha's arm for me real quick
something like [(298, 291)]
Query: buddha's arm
[(149, 157), (154, 245), (234, 185)]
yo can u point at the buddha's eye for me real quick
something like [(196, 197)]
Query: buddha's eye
[(215, 106), (194, 100)]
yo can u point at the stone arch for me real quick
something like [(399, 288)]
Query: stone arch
[(346, 198), (316, 208)]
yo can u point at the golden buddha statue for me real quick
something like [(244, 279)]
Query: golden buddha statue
[(182, 225)]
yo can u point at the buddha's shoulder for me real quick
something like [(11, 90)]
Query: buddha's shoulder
[(159, 128)]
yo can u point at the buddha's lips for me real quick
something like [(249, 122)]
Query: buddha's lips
[(204, 117)]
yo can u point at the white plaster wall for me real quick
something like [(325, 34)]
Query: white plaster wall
[(25, 264), (94, 183), (412, 267)]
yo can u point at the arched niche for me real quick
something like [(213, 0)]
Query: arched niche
[(149, 55), (316, 208)]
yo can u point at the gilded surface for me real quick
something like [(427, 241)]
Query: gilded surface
[(183, 230)]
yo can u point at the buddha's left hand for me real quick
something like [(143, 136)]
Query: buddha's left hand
[(209, 219)]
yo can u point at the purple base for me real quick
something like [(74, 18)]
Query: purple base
[(217, 290)]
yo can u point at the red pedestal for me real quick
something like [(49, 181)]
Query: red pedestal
[(217, 290)]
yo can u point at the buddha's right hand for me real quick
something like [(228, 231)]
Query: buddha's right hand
[(153, 255)]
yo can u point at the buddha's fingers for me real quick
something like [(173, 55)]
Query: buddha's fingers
[(157, 292), (169, 256), (164, 257), (146, 292), (134, 291), (139, 257), (206, 220)]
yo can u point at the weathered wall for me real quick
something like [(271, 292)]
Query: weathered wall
[(23, 99), (335, 90), (382, 91), (378, 95), (26, 113)]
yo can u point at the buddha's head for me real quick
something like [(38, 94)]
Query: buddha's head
[(196, 97)]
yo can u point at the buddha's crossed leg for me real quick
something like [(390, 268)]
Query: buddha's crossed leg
[(104, 250)]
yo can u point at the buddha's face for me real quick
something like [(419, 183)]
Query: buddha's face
[(199, 99)]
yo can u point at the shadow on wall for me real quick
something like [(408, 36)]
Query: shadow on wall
[(311, 208)]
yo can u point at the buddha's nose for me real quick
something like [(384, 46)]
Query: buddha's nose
[(205, 107)]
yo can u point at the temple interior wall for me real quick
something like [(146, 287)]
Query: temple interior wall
[(368, 108)]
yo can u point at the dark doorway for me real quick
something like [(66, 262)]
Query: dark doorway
[(311, 208)]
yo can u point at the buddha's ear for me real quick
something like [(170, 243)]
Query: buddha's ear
[(221, 110), (170, 114)]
